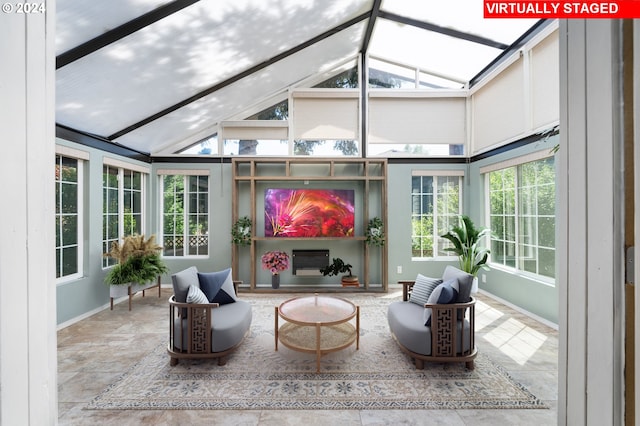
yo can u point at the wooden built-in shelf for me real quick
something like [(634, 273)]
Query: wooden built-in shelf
[(370, 176)]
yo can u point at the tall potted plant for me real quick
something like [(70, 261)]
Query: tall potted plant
[(466, 244), (139, 264)]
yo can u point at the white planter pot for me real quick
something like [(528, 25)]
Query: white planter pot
[(116, 291), (474, 285)]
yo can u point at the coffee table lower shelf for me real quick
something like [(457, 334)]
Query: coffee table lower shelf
[(317, 339)]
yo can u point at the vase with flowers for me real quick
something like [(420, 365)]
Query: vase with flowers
[(275, 261)]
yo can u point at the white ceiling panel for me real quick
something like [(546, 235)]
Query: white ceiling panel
[(448, 56), (190, 121), (80, 21)]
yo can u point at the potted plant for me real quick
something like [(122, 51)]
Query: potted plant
[(275, 261), (375, 232), (241, 232), (465, 239), (338, 266), (139, 263)]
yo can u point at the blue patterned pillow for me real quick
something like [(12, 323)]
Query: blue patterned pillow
[(195, 295), (422, 289), (218, 286), (443, 294)]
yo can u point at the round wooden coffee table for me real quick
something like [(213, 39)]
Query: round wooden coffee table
[(317, 324)]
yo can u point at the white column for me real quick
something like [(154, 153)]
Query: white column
[(27, 273), (590, 241)]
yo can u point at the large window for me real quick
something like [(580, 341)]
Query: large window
[(122, 206), (522, 217), (68, 217), (435, 207), (185, 215)]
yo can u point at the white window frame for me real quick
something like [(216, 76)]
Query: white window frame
[(80, 157), (513, 163), (121, 166), (438, 174), (185, 173)]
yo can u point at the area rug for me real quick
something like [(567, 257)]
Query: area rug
[(377, 376)]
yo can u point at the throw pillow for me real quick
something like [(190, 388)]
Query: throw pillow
[(195, 295), (182, 281), (218, 286), (441, 295), (422, 289), (464, 284)]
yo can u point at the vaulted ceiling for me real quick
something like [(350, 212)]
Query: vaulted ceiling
[(157, 76)]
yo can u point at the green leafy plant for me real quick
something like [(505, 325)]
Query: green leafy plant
[(241, 232), (139, 261), (336, 267), (465, 239), (375, 232)]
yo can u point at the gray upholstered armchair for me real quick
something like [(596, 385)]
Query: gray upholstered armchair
[(435, 321), (206, 319)]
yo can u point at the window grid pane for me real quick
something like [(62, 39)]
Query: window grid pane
[(185, 201), (66, 216), (122, 211), (522, 217), (435, 208), (110, 207)]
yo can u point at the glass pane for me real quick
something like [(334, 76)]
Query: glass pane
[(497, 226), (112, 227), (69, 198), (136, 227), (58, 231), (547, 262), (510, 229), (58, 265), (69, 230), (528, 259), (528, 232), (415, 184), (137, 181), (137, 202), (497, 251), (547, 231), (415, 150), (510, 201), (546, 199), (327, 147), (58, 198), (112, 201), (69, 261), (256, 147), (69, 170), (510, 254), (127, 179), (427, 204)]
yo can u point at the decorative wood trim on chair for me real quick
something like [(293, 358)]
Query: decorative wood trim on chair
[(199, 320)]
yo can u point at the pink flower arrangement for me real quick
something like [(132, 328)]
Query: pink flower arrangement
[(275, 261)]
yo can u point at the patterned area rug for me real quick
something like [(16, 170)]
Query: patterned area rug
[(377, 376)]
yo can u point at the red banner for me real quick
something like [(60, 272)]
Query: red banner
[(562, 9)]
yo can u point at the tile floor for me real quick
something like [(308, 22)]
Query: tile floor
[(95, 351)]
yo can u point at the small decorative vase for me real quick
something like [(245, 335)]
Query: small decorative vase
[(275, 281)]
